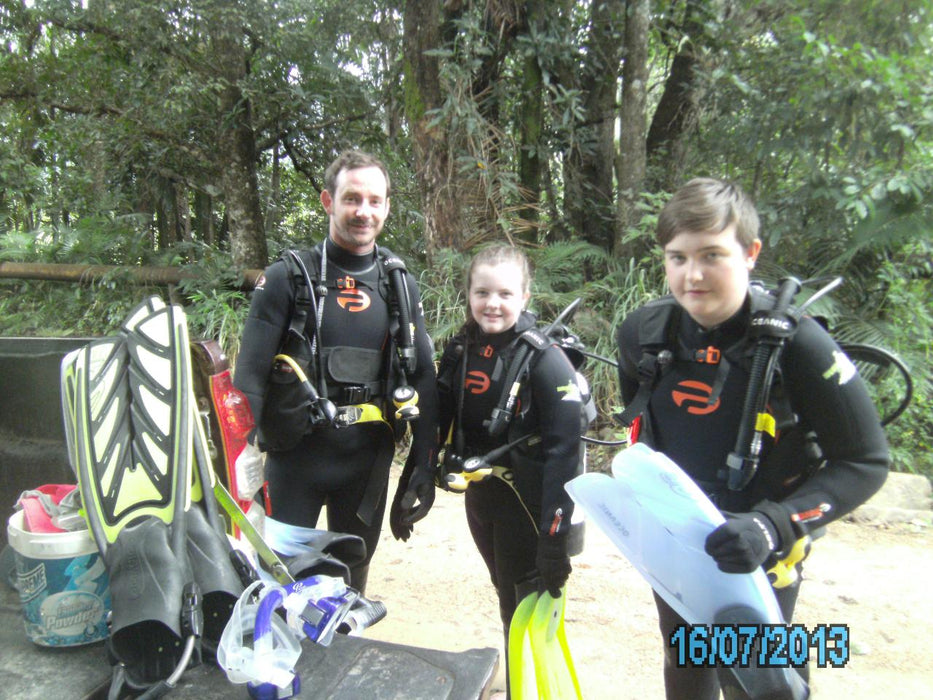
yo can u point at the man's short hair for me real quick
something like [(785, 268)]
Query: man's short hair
[(708, 205), (351, 160)]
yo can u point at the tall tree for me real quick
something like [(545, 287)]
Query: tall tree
[(530, 121), (235, 136), (632, 119), (687, 40), (423, 38), (589, 159)]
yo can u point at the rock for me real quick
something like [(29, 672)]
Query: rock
[(877, 515), (904, 498)]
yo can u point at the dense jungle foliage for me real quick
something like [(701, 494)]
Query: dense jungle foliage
[(194, 133)]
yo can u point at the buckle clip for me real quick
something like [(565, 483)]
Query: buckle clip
[(709, 356), (356, 393), (347, 416)]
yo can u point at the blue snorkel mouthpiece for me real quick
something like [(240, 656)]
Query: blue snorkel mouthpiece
[(260, 648)]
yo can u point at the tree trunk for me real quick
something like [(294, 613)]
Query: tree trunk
[(531, 123), (589, 165), (204, 213), (164, 212), (632, 118), (422, 88), (182, 212), (273, 215), (236, 144), (677, 112), (501, 23)]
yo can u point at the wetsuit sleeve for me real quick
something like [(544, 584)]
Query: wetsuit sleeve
[(830, 397), (447, 380), (266, 324), (423, 451), (557, 403), (629, 355)]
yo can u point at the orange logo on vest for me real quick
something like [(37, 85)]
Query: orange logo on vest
[(477, 382), (699, 397), (353, 300)]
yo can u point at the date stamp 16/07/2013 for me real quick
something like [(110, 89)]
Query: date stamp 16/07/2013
[(774, 646)]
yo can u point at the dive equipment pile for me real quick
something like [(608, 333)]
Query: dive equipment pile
[(143, 459), (131, 427)]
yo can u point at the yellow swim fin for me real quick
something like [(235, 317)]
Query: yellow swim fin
[(522, 683), (555, 674)]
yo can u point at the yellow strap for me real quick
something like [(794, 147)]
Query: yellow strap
[(765, 424)]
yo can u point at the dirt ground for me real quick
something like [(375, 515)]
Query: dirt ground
[(875, 579)]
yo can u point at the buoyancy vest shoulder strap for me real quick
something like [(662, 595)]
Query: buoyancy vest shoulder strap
[(450, 362), (304, 268), (301, 281), (770, 328), (657, 331), (517, 357), (521, 352), (392, 268), (451, 375)]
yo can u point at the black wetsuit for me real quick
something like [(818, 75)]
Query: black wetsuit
[(506, 515), (334, 466), (824, 392)]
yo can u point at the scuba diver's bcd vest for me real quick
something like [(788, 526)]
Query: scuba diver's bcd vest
[(518, 358), (522, 443), (359, 378), (792, 453)]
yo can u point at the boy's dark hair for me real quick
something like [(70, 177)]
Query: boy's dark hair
[(351, 160), (707, 205)]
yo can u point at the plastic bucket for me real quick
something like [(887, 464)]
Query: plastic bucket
[(62, 583)]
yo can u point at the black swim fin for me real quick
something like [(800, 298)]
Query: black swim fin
[(313, 562), (759, 682), (350, 549), (293, 540), (209, 550), (128, 423)]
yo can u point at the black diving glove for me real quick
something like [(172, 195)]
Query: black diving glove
[(553, 562), (420, 489), (404, 513), (743, 543)]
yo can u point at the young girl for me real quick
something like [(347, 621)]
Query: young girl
[(519, 515)]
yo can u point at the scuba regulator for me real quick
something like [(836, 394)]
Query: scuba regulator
[(405, 400)]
